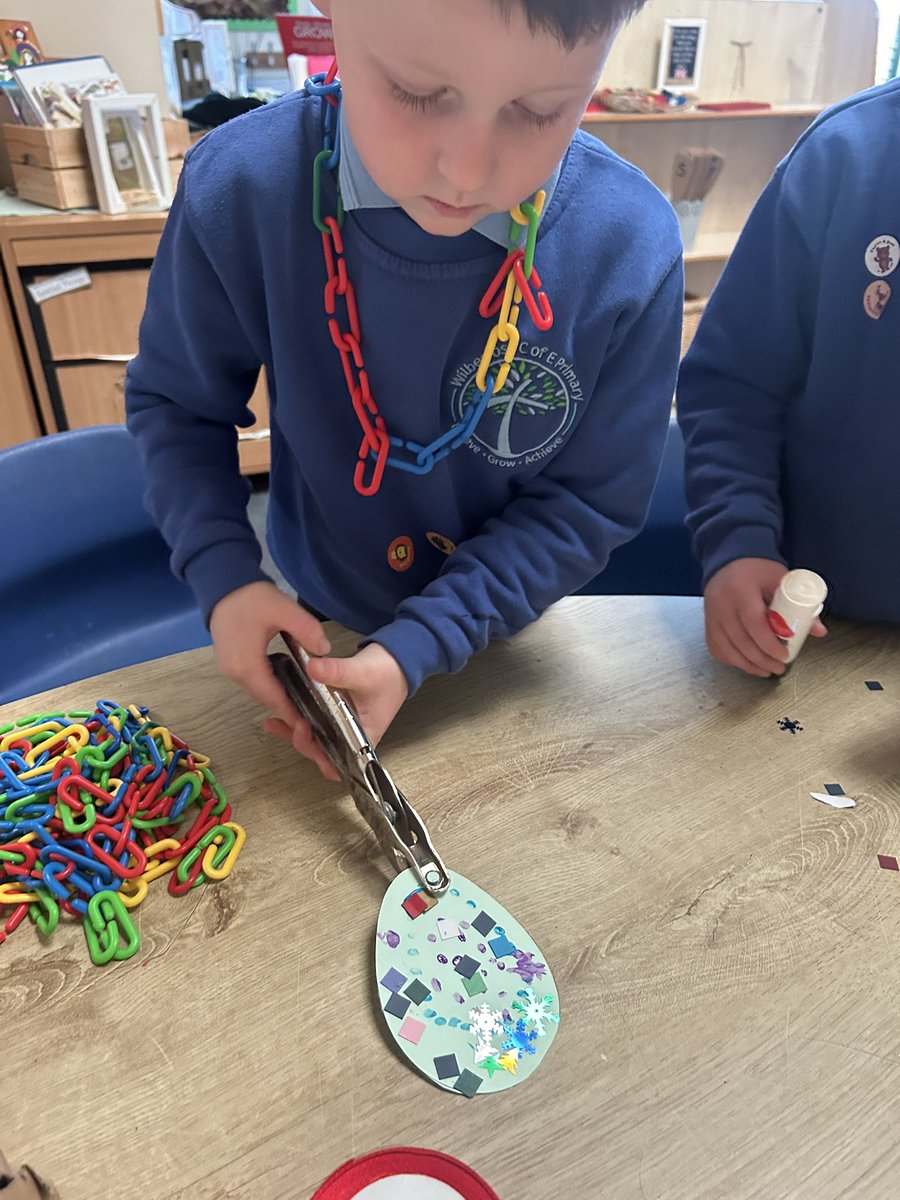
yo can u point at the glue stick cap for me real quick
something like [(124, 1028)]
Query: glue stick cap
[(797, 602), (804, 588)]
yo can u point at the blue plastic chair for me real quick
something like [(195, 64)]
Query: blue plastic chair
[(659, 561), (85, 583)]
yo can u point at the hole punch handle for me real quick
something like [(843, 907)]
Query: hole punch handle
[(398, 827)]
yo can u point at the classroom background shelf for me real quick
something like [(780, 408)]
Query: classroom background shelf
[(64, 358)]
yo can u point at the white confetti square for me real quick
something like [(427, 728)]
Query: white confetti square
[(834, 801)]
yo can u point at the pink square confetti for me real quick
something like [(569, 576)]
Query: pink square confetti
[(412, 1030), (888, 862)]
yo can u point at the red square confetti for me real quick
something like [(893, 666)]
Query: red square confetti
[(415, 905), (888, 862)]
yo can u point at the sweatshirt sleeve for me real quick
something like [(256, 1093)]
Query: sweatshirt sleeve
[(749, 359), (559, 531), (186, 391)]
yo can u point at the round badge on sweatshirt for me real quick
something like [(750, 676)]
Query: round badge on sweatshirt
[(440, 542), (882, 255), (401, 553), (875, 298)]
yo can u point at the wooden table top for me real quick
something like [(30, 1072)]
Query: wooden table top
[(725, 946)]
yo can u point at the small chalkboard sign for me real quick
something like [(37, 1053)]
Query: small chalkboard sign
[(681, 54)]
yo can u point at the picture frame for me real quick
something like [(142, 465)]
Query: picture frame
[(19, 46), (127, 151), (681, 55), (53, 93)]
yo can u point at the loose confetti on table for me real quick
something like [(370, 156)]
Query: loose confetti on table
[(790, 726), (874, 686), (92, 810), (836, 801), (888, 863), (485, 998)]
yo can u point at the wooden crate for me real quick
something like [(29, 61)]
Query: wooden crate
[(72, 187), (51, 166)]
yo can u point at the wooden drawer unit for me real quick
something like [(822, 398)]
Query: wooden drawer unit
[(77, 342), (91, 393), (97, 320)]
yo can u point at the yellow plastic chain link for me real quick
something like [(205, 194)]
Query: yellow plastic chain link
[(228, 862), (506, 329)]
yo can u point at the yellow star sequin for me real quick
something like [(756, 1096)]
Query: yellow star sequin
[(508, 1061)]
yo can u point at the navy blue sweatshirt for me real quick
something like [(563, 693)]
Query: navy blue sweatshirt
[(557, 474), (788, 397)]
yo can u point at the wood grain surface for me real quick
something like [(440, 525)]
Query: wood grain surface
[(725, 946)]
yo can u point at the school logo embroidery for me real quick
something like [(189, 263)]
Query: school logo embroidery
[(882, 255), (531, 416)]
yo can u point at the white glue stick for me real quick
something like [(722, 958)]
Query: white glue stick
[(797, 602)]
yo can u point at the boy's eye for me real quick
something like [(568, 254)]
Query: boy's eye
[(539, 120), (414, 101)]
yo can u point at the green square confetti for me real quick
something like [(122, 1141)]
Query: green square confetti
[(475, 985), (468, 1083)]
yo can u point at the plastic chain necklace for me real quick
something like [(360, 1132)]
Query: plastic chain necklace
[(516, 281)]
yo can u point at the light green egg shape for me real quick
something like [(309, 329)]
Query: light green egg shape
[(415, 957)]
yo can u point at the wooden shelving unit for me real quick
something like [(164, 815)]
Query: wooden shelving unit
[(800, 58), (777, 112)]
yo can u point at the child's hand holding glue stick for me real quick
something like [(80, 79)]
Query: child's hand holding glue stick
[(737, 603), (795, 607)]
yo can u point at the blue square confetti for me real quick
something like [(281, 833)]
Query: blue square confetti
[(466, 967), (393, 980), (397, 1005), (834, 789), (483, 923), (417, 991), (874, 686), (446, 1066), (502, 946), (468, 1083)]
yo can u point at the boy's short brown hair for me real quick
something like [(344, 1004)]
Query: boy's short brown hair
[(571, 20)]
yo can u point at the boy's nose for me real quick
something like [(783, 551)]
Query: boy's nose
[(465, 159)]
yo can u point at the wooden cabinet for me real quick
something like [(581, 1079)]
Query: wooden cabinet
[(18, 415), (91, 393), (65, 363), (98, 320)]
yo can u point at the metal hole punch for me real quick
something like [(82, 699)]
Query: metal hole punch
[(398, 827)]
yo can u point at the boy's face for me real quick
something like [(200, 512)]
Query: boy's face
[(455, 111)]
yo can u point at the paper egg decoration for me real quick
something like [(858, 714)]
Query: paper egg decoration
[(464, 990)]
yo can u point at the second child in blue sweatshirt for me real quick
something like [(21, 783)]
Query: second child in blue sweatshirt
[(788, 397), (451, 115)]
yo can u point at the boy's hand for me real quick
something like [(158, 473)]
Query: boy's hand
[(735, 602), (374, 684), (243, 623)]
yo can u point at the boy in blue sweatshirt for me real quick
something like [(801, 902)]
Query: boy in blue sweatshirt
[(788, 395), (446, 463)]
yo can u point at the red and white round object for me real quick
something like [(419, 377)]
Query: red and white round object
[(403, 1173)]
